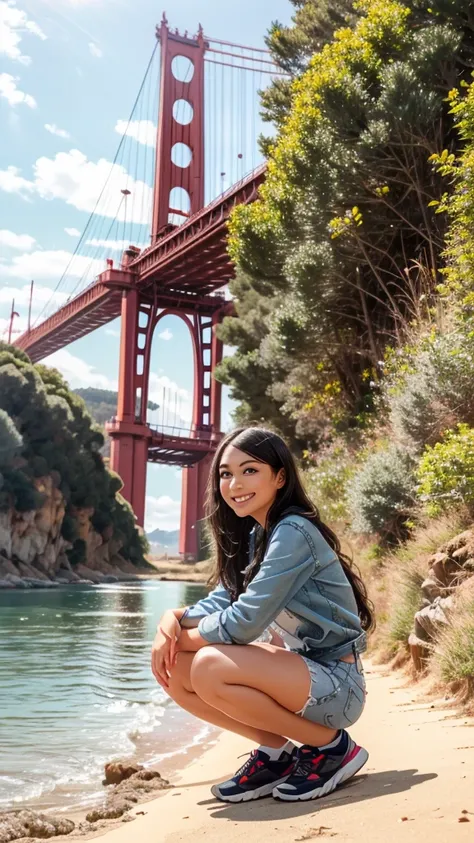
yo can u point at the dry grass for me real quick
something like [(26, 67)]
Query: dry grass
[(394, 581), (452, 662)]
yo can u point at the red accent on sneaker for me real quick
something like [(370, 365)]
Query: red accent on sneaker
[(318, 759), (313, 776), (243, 779), (350, 756)]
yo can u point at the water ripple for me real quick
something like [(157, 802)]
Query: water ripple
[(76, 689)]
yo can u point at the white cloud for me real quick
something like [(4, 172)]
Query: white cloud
[(24, 242), (162, 512), (175, 402), (55, 130), (143, 131), (50, 265), (20, 325), (77, 372), (112, 332), (112, 245), (95, 50), (12, 182), (72, 177), (166, 335), (73, 232), (13, 24), (12, 94), (41, 295)]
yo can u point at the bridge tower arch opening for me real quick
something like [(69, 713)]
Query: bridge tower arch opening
[(199, 431), (135, 441)]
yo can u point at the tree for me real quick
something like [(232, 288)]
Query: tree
[(48, 425), (344, 234)]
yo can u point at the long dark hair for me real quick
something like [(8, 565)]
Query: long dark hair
[(231, 532)]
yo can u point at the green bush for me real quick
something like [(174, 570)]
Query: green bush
[(10, 439), (446, 472), (18, 492), (382, 494), (429, 387), (327, 481)]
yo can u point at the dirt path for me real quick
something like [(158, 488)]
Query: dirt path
[(421, 768)]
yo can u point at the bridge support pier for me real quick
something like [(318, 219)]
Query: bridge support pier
[(129, 432), (192, 541), (128, 457)]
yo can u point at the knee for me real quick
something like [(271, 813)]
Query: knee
[(206, 670)]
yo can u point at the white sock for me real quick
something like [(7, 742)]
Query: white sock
[(333, 743), (274, 754)]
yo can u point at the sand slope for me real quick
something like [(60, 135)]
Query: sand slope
[(421, 768)]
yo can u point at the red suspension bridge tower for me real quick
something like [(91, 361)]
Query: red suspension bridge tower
[(134, 443), (183, 269)]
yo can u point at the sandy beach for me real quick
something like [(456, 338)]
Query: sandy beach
[(417, 786)]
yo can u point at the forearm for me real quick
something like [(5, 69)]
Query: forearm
[(190, 641)]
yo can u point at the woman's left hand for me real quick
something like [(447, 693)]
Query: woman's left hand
[(170, 628)]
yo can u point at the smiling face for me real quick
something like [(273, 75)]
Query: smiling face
[(248, 486)]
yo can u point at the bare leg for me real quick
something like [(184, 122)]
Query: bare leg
[(260, 685), (181, 691)]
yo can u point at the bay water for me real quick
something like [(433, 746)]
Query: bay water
[(76, 689)]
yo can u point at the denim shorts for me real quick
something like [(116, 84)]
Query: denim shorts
[(337, 693)]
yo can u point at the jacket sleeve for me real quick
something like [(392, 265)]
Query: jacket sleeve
[(216, 601), (287, 564)]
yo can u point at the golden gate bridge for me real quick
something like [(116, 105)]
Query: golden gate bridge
[(187, 156)]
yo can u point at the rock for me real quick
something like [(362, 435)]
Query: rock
[(109, 578), (116, 771), (464, 553), (445, 571), (6, 584), (429, 620), (67, 575), (29, 572), (85, 573), (419, 653), (117, 561), (15, 825), (111, 812), (40, 583), (457, 542), (431, 589), (7, 567), (17, 582)]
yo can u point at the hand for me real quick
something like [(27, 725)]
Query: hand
[(164, 648)]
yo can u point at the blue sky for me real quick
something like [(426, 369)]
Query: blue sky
[(69, 73)]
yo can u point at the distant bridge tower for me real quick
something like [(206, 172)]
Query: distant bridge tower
[(144, 304)]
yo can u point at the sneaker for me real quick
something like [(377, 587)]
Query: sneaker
[(256, 778), (318, 772)]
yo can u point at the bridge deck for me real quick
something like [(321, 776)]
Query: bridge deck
[(191, 261)]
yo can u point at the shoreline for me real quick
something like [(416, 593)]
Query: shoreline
[(172, 769), (169, 570), (418, 747)]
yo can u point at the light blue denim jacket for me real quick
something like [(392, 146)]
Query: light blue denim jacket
[(300, 573)]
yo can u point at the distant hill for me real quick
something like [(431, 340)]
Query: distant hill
[(164, 541), (102, 403)]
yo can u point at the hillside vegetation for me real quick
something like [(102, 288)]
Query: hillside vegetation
[(50, 463), (355, 276)]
